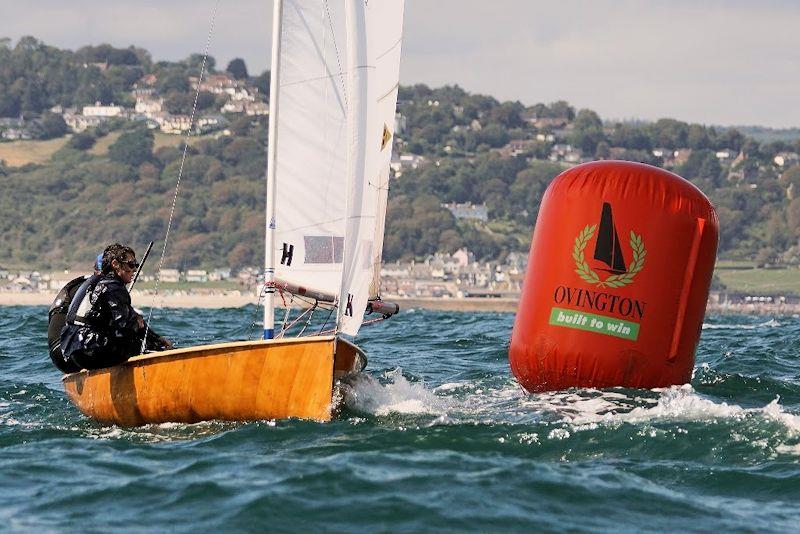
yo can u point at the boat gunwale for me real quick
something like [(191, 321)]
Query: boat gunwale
[(187, 351)]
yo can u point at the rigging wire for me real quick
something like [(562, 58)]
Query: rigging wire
[(308, 321), (311, 305), (180, 171), (286, 315), (261, 294)]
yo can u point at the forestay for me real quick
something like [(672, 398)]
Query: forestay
[(339, 67)]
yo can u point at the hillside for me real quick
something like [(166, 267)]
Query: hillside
[(68, 194)]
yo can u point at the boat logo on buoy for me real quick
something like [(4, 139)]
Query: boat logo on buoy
[(608, 253)]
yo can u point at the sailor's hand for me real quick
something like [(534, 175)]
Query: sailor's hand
[(166, 343)]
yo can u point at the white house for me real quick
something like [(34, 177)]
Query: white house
[(786, 159), (467, 210), (256, 108), (100, 110), (400, 123), (79, 123), (170, 275), (196, 275), (149, 106), (174, 124)]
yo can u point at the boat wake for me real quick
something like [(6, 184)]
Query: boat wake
[(392, 393), (674, 404), (504, 403)]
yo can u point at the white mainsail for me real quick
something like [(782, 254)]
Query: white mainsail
[(338, 66)]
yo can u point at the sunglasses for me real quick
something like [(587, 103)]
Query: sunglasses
[(133, 264)]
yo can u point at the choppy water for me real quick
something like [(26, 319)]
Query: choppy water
[(437, 436)]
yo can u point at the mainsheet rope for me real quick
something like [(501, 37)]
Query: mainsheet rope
[(180, 172)]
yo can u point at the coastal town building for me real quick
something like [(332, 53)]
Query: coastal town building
[(565, 152), (401, 162), (101, 110), (786, 159), (170, 275), (149, 106), (517, 147), (16, 134), (468, 210), (80, 123), (196, 275)]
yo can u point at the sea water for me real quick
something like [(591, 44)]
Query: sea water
[(436, 436)]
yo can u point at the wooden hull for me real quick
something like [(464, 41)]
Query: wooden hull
[(240, 381)]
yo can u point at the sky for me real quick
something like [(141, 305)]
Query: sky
[(720, 62)]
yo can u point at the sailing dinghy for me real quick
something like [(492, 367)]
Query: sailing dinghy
[(333, 94)]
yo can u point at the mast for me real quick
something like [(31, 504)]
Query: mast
[(269, 242)]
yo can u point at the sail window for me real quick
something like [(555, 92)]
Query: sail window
[(323, 248)]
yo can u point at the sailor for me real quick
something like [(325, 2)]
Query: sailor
[(57, 317), (102, 328)]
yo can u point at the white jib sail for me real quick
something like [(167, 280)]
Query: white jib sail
[(375, 54), (339, 64)]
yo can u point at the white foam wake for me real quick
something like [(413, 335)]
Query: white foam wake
[(677, 403), (505, 403), (367, 394), (772, 323)]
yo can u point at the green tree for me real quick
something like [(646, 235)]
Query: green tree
[(603, 151), (237, 69), (179, 102), (34, 98), (703, 169), (790, 180), (173, 80), (195, 64), (132, 148), (697, 137), (9, 103), (632, 136), (730, 138), (52, 126), (241, 125), (261, 83), (493, 135), (587, 131), (561, 109), (508, 114)]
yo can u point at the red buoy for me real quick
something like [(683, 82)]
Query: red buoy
[(617, 282)]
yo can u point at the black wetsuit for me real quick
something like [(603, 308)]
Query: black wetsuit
[(105, 330), (57, 318)]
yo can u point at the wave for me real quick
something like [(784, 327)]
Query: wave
[(396, 394), (679, 404), (504, 403), (772, 323)]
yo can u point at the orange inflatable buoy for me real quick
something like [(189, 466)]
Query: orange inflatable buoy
[(617, 282)]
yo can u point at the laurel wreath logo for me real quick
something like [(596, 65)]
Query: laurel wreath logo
[(615, 280)]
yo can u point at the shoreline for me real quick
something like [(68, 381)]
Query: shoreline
[(237, 299)]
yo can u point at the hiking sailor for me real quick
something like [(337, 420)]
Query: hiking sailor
[(102, 328), (57, 317)]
